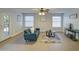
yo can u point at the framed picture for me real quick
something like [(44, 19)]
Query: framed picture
[(73, 16), (18, 18)]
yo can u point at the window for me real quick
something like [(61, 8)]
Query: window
[(56, 21), (29, 21), (6, 25)]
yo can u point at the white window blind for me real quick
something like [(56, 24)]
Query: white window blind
[(56, 21), (29, 21)]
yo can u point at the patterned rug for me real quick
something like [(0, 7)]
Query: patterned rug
[(56, 39)]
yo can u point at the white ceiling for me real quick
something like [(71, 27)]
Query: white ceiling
[(31, 10)]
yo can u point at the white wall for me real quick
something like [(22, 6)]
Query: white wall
[(15, 27), (74, 21), (45, 22)]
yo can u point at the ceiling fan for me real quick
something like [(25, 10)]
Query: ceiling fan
[(42, 11)]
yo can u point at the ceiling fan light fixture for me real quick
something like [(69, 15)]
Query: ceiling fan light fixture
[(40, 13), (43, 13)]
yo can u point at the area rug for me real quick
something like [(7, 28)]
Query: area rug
[(56, 39)]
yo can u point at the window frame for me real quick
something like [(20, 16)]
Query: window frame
[(6, 26), (28, 21), (57, 21)]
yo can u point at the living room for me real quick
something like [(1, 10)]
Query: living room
[(39, 29), (52, 25)]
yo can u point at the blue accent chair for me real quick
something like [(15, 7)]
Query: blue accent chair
[(29, 36)]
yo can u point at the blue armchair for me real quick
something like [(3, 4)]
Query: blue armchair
[(29, 36)]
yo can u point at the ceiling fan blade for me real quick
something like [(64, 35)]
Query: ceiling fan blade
[(41, 9), (36, 9)]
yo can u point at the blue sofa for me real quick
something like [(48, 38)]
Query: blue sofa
[(29, 36)]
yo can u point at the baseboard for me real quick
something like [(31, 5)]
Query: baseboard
[(11, 36), (16, 34), (5, 39)]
